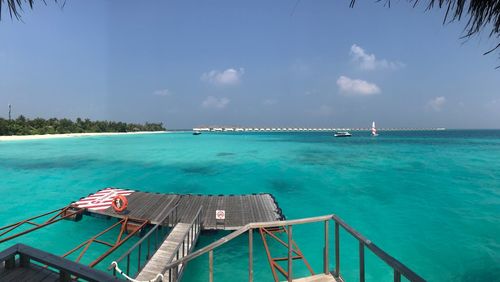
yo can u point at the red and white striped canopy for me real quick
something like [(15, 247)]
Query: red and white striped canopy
[(102, 199)]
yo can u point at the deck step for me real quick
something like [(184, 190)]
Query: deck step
[(318, 278)]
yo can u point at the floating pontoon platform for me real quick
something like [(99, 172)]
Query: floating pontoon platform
[(239, 210), (169, 226)]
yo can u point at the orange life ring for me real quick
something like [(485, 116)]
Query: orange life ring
[(119, 203)]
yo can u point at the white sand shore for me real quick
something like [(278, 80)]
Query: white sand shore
[(70, 135)]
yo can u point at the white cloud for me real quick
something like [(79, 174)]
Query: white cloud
[(301, 68), (162, 92), (311, 92), (325, 110), (493, 104), (436, 104), (357, 86), (228, 77), (368, 61), (321, 111), (269, 102), (212, 102)]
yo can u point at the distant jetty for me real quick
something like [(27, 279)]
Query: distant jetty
[(301, 129)]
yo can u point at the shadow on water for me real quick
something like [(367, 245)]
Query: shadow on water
[(225, 154), (483, 274), (44, 164), (326, 158), (313, 157), (74, 163), (285, 186), (198, 169)]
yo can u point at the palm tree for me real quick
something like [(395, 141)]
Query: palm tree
[(478, 14)]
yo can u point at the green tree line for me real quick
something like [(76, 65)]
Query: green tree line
[(26, 126)]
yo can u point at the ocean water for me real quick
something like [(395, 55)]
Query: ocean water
[(429, 198)]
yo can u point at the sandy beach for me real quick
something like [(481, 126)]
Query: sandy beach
[(72, 135)]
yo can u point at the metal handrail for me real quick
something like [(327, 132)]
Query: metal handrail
[(242, 230), (198, 213), (398, 267), (171, 213), (191, 235)]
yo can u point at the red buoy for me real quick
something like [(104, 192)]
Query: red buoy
[(119, 203)]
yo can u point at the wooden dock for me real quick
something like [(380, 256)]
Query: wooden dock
[(166, 252), (179, 243), (239, 209)]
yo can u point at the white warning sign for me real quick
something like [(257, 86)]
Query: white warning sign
[(220, 214)]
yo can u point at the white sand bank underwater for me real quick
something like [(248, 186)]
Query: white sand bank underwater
[(69, 135)]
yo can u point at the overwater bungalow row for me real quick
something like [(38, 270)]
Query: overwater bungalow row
[(299, 129)]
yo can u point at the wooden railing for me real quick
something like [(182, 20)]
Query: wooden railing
[(399, 269), (156, 234), (182, 250), (68, 270)]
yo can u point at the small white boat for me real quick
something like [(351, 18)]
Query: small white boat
[(374, 130), (342, 134)]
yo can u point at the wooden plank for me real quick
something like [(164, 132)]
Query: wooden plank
[(157, 206), (248, 209), (169, 201)]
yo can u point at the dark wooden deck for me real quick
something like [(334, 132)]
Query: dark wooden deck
[(29, 273), (24, 263), (240, 209)]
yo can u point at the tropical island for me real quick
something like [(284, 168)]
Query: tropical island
[(40, 126)]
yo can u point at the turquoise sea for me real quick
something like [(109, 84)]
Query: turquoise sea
[(429, 198)]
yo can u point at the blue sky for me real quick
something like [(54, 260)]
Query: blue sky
[(252, 63)]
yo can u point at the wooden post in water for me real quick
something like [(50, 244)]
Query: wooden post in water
[(290, 253), (397, 276), (211, 266), (337, 250), (361, 261), (325, 251), (250, 255)]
